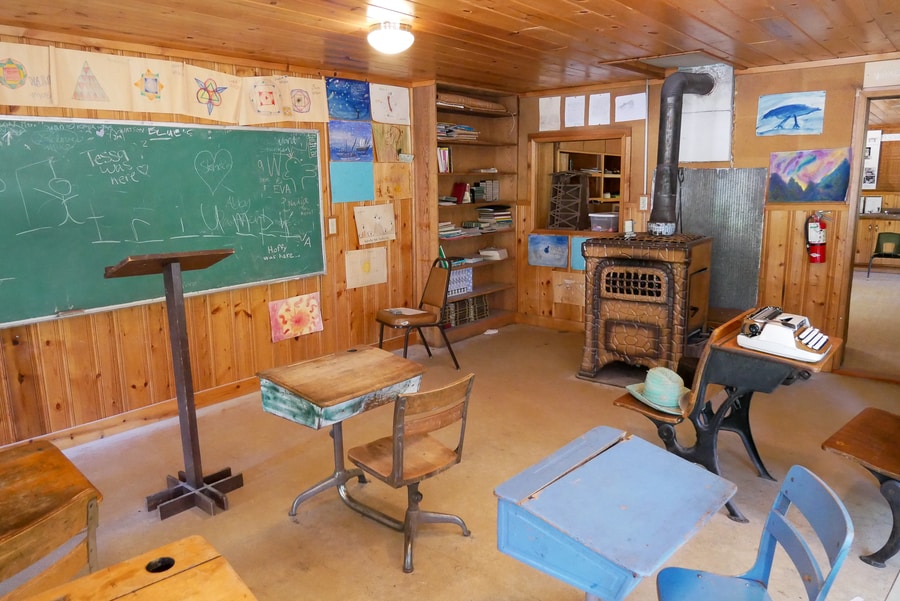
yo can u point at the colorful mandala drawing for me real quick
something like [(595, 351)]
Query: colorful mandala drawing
[(149, 85), (209, 93), (12, 73), (264, 98), (87, 87), (300, 101)]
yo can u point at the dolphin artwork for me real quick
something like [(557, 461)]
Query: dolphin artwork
[(788, 112)]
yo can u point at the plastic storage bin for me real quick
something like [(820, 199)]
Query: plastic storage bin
[(604, 222)]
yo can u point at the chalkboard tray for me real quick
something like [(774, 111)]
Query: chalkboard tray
[(78, 196)]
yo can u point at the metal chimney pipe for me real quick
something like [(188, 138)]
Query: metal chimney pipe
[(665, 183)]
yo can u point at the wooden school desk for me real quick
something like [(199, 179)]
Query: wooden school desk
[(187, 569), (326, 391), (605, 511)]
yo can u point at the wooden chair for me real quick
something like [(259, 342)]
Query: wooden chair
[(872, 439), (728, 410), (429, 312), (411, 454), (812, 500), (887, 246), (48, 520)]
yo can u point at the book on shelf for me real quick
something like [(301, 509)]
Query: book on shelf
[(461, 192), (445, 160), (456, 131)]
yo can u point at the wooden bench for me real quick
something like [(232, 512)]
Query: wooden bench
[(189, 568), (48, 520), (872, 439)]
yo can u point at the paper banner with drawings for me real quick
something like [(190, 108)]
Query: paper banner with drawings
[(366, 267), (211, 94), (89, 80), (25, 75), (261, 101), (375, 223), (390, 140), (295, 316), (390, 104), (393, 181), (303, 99), (156, 85)]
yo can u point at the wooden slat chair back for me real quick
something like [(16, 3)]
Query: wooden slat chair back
[(413, 453), (46, 504), (698, 392), (699, 407)]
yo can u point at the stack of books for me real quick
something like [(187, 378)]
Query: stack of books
[(455, 131), (445, 163), (447, 230), (487, 190), (497, 216)]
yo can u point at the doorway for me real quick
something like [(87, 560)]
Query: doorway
[(871, 348)]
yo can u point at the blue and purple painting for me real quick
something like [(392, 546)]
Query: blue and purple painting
[(350, 141), (809, 175), (548, 251), (348, 99), (791, 114)]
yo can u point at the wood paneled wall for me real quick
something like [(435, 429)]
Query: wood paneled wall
[(786, 276), (92, 375)]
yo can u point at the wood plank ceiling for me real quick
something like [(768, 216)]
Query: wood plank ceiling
[(506, 46)]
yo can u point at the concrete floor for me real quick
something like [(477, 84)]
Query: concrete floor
[(526, 403)]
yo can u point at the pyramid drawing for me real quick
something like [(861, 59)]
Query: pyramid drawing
[(87, 87)]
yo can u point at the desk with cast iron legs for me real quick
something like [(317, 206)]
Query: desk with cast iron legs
[(326, 391)]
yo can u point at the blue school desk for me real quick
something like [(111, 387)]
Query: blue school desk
[(605, 511)]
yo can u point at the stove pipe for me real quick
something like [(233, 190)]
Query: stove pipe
[(665, 183)]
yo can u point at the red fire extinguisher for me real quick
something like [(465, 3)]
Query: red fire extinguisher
[(815, 237)]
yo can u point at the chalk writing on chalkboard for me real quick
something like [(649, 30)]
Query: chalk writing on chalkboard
[(77, 196)]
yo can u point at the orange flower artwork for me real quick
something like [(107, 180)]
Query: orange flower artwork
[(295, 316)]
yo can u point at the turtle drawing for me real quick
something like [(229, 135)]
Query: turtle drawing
[(788, 112)]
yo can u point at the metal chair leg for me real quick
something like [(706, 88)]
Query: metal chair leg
[(449, 348), (381, 336)]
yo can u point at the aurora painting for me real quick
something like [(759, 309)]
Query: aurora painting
[(809, 175)]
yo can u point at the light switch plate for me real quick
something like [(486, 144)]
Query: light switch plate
[(645, 202)]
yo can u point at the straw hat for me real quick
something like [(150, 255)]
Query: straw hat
[(662, 389)]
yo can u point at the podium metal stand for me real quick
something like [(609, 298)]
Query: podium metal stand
[(190, 488)]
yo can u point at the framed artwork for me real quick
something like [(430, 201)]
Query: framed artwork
[(548, 250), (809, 175), (791, 114)]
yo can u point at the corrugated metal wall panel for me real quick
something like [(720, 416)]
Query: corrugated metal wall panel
[(727, 205)]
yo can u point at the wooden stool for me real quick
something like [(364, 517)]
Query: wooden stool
[(45, 502), (872, 439)]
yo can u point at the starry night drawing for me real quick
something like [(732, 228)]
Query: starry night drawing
[(791, 114)]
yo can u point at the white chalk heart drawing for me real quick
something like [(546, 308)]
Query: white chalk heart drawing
[(213, 168)]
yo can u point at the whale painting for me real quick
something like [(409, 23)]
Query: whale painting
[(791, 114)]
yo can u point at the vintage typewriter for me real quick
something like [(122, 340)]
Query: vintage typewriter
[(770, 330)]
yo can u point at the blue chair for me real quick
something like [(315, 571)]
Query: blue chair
[(821, 508)]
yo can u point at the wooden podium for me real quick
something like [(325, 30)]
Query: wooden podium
[(190, 488)]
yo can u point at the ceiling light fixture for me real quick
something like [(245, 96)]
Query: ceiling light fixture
[(390, 38)]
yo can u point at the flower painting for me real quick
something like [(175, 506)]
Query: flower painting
[(295, 316), (809, 175)]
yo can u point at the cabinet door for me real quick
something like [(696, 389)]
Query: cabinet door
[(866, 230)]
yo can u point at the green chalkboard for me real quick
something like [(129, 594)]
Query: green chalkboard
[(77, 196)]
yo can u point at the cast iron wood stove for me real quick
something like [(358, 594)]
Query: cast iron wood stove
[(644, 296)]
